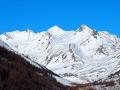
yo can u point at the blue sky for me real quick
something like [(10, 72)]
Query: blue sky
[(40, 15)]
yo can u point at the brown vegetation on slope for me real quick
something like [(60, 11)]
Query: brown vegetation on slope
[(18, 74)]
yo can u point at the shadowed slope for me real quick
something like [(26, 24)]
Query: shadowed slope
[(18, 74)]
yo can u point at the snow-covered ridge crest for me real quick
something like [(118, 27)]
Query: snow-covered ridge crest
[(81, 55), (3, 44)]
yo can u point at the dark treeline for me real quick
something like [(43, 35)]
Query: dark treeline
[(18, 74)]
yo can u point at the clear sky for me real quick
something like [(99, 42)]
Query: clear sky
[(40, 15)]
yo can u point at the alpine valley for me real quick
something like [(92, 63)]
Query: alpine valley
[(84, 58)]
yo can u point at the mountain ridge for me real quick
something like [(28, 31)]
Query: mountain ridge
[(17, 73), (83, 55)]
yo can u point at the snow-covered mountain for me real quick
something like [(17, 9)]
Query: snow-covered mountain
[(21, 73), (7, 54), (81, 56)]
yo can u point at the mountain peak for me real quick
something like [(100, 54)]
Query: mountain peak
[(68, 53), (55, 30), (55, 27), (84, 27)]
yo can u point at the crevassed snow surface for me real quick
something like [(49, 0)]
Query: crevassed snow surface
[(81, 56)]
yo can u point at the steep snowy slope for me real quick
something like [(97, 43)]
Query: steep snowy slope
[(83, 55), (5, 51), (16, 73), (3, 44)]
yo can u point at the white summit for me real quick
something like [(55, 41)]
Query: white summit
[(83, 55)]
